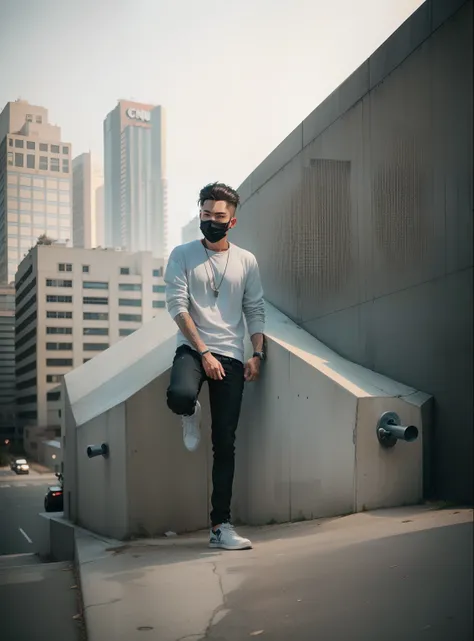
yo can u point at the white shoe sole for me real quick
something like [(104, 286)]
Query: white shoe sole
[(220, 546)]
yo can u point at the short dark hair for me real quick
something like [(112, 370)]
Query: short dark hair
[(219, 191)]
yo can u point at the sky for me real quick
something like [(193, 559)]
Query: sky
[(235, 77)]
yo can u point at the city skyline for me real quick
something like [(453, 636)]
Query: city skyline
[(225, 110)]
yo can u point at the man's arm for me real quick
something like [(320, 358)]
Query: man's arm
[(177, 300), (186, 324), (257, 342)]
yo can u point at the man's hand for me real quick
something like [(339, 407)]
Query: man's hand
[(213, 367), (252, 369)]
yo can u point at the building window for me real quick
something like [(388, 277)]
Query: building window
[(39, 120), (124, 271), (19, 144), (58, 282), (10, 142), (43, 146), (85, 269), (55, 149), (130, 302), (65, 150), (130, 318), (95, 284), (58, 314), (95, 347), (159, 303), (65, 267), (157, 273), (30, 144), (59, 330), (10, 158), (95, 331), (54, 378), (43, 163), (95, 300), (130, 287), (59, 362), (126, 332), (26, 400), (54, 164), (30, 414), (31, 382), (30, 161), (101, 316), (29, 118), (19, 158), (59, 347), (158, 289), (53, 396), (59, 299), (65, 166)]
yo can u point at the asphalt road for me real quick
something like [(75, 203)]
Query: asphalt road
[(38, 601), (21, 498)]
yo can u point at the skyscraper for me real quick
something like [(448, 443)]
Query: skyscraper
[(87, 206), (35, 183), (134, 173)]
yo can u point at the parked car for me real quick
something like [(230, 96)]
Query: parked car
[(53, 501), (20, 466)]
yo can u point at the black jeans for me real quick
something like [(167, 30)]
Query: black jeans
[(187, 377)]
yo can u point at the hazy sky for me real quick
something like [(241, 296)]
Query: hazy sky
[(234, 76)]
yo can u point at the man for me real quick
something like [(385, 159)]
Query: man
[(210, 286)]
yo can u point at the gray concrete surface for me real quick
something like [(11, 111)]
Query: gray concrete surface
[(21, 498), (403, 574), (38, 602), (371, 200)]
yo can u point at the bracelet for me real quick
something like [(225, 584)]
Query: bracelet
[(206, 351)]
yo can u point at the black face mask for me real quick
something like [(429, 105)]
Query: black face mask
[(212, 231)]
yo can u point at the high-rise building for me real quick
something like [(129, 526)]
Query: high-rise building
[(87, 206), (191, 231), (71, 304), (134, 178), (7, 364), (35, 183)]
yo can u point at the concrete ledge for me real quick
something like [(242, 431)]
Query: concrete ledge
[(56, 537), (335, 563)]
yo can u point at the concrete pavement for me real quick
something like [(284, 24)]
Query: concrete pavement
[(38, 601), (391, 574)]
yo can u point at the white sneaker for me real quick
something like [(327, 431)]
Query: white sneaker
[(192, 429), (227, 538)]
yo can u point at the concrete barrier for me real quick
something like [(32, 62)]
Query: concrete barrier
[(306, 447)]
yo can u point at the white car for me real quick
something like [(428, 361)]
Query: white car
[(20, 466)]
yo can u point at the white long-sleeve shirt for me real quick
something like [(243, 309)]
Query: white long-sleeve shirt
[(190, 278)]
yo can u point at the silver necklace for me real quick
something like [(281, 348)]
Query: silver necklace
[(212, 281)]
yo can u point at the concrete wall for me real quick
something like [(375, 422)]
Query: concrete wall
[(306, 444), (371, 198)]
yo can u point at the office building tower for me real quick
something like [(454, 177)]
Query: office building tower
[(87, 207), (8, 429), (134, 178), (71, 304), (191, 231), (35, 183)]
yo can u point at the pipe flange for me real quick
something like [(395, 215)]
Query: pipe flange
[(384, 436)]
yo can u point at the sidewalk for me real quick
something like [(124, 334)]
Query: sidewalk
[(403, 574)]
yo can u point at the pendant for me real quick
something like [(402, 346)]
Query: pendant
[(216, 292)]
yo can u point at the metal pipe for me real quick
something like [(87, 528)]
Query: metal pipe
[(390, 430), (98, 450)]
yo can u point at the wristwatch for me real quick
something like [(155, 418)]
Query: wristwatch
[(259, 355)]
